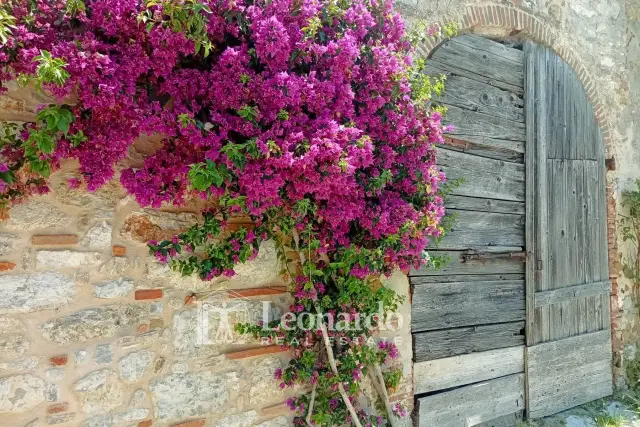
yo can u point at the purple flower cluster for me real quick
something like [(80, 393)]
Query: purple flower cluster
[(319, 87)]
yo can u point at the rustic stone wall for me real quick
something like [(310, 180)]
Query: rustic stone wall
[(94, 332), (600, 40)]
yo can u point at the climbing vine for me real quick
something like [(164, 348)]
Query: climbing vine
[(310, 118), (630, 227)]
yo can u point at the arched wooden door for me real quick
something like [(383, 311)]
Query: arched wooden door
[(502, 328)]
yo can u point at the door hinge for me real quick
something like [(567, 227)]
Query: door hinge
[(539, 265)]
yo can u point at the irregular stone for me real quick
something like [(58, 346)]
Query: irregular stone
[(187, 337), (133, 414), (113, 288), (20, 393), (51, 393), (263, 387), (98, 237), (574, 421), (99, 421), (60, 419), (134, 365), (92, 324), (157, 367), (180, 396), (26, 364), (154, 225), (179, 368), (62, 259), (20, 293), (276, 422), (117, 266), (14, 339), (104, 354), (160, 272), (156, 308), (8, 243), (99, 392), (263, 269), (106, 196), (138, 340), (238, 420), (80, 356), (55, 374), (138, 398), (36, 214)]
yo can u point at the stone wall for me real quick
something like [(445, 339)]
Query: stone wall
[(94, 332), (601, 41)]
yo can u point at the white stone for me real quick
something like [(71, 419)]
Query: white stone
[(179, 368), (185, 335), (99, 392), (276, 422), (37, 214), (55, 374), (238, 420), (8, 243), (180, 396), (81, 357), (134, 365), (264, 269), (116, 266), (14, 340), (158, 272), (20, 393), (103, 354), (133, 414), (98, 237), (92, 323), (33, 292), (138, 398), (26, 364), (263, 387), (113, 288), (67, 258)]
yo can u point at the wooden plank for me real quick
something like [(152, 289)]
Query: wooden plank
[(449, 305), (470, 123), (476, 230), (488, 64), (530, 188), (480, 97), (457, 371), (463, 203), (482, 177), (569, 372), (505, 420), (453, 342), (572, 292), (425, 280), (474, 404), (458, 265), (436, 67), (499, 149), (487, 45)]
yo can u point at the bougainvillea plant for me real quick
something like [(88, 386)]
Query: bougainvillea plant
[(309, 117)]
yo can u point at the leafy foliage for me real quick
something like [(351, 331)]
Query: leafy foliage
[(630, 227)]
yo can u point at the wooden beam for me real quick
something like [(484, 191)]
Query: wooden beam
[(561, 295), (473, 404), (466, 369)]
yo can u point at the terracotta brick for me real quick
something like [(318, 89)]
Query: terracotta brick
[(256, 292), (7, 265), (253, 352), (119, 251), (58, 408), (141, 329), (147, 294), (190, 299), (54, 240), (194, 423), (58, 360), (145, 423)]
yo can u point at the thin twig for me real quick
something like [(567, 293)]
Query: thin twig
[(378, 381)]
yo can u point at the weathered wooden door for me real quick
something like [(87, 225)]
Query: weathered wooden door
[(527, 256), (568, 357), (468, 319)]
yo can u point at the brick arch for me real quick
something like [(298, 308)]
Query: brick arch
[(523, 24)]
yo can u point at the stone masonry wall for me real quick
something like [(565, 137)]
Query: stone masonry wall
[(601, 41), (95, 333)]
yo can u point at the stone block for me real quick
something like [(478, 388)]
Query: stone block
[(22, 293)]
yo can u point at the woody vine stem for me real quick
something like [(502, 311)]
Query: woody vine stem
[(311, 119)]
